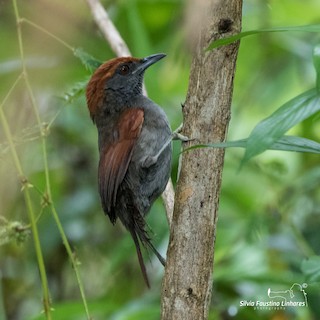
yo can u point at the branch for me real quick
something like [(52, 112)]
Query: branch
[(120, 48), (187, 284), (110, 32)]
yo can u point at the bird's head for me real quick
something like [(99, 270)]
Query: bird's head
[(115, 82)]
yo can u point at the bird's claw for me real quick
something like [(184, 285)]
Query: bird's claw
[(181, 137), (177, 135)]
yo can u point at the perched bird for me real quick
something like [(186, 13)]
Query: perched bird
[(134, 145)]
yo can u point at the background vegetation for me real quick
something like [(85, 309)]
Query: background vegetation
[(269, 211)]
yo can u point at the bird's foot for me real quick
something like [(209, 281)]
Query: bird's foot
[(177, 135)]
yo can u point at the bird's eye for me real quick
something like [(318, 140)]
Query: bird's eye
[(124, 69)]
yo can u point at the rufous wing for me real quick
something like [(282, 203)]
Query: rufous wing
[(115, 157)]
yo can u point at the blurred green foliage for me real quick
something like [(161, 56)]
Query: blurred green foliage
[(268, 230)]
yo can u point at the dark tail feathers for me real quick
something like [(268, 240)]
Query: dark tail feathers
[(139, 234)]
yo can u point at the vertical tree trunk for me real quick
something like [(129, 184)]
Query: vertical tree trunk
[(187, 283)]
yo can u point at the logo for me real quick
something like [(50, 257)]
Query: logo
[(295, 296)]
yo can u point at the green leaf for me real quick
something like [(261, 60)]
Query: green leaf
[(296, 144), (87, 60), (311, 268), (269, 130), (316, 62), (228, 40), (75, 92), (285, 143), (228, 144)]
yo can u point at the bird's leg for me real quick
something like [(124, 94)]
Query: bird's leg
[(176, 135), (151, 160)]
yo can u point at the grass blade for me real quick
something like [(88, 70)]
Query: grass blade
[(296, 144), (285, 143), (316, 63), (271, 129), (225, 41)]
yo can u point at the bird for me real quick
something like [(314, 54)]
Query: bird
[(135, 148)]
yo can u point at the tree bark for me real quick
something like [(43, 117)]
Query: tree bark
[(187, 284)]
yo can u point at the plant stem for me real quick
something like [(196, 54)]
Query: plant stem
[(31, 216), (72, 257), (43, 133), (32, 219), (36, 26)]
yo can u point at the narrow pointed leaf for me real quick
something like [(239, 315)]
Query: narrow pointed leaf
[(285, 143), (271, 129), (296, 144), (226, 41), (228, 144), (316, 62)]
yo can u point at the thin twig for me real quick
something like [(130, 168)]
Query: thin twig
[(110, 32), (24, 181), (26, 185), (120, 48)]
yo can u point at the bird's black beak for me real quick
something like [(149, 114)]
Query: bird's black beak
[(148, 61)]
